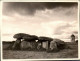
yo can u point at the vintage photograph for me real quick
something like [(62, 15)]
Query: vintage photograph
[(39, 30)]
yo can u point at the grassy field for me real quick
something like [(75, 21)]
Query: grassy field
[(66, 53)]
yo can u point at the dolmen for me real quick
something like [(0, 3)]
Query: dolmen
[(24, 41), (33, 42)]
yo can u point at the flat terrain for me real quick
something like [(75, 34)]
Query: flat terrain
[(66, 53)]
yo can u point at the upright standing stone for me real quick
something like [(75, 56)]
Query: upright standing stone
[(47, 45), (16, 44), (72, 38), (25, 45)]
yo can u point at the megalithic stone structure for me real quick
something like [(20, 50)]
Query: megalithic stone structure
[(45, 39), (47, 45), (72, 38)]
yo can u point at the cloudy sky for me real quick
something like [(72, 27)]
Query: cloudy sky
[(51, 19)]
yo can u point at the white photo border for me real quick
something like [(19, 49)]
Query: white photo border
[(41, 1)]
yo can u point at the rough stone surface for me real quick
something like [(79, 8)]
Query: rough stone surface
[(28, 45), (57, 44)]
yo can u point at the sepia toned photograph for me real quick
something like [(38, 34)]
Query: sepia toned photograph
[(39, 30)]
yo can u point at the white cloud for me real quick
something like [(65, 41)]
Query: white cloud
[(43, 23)]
